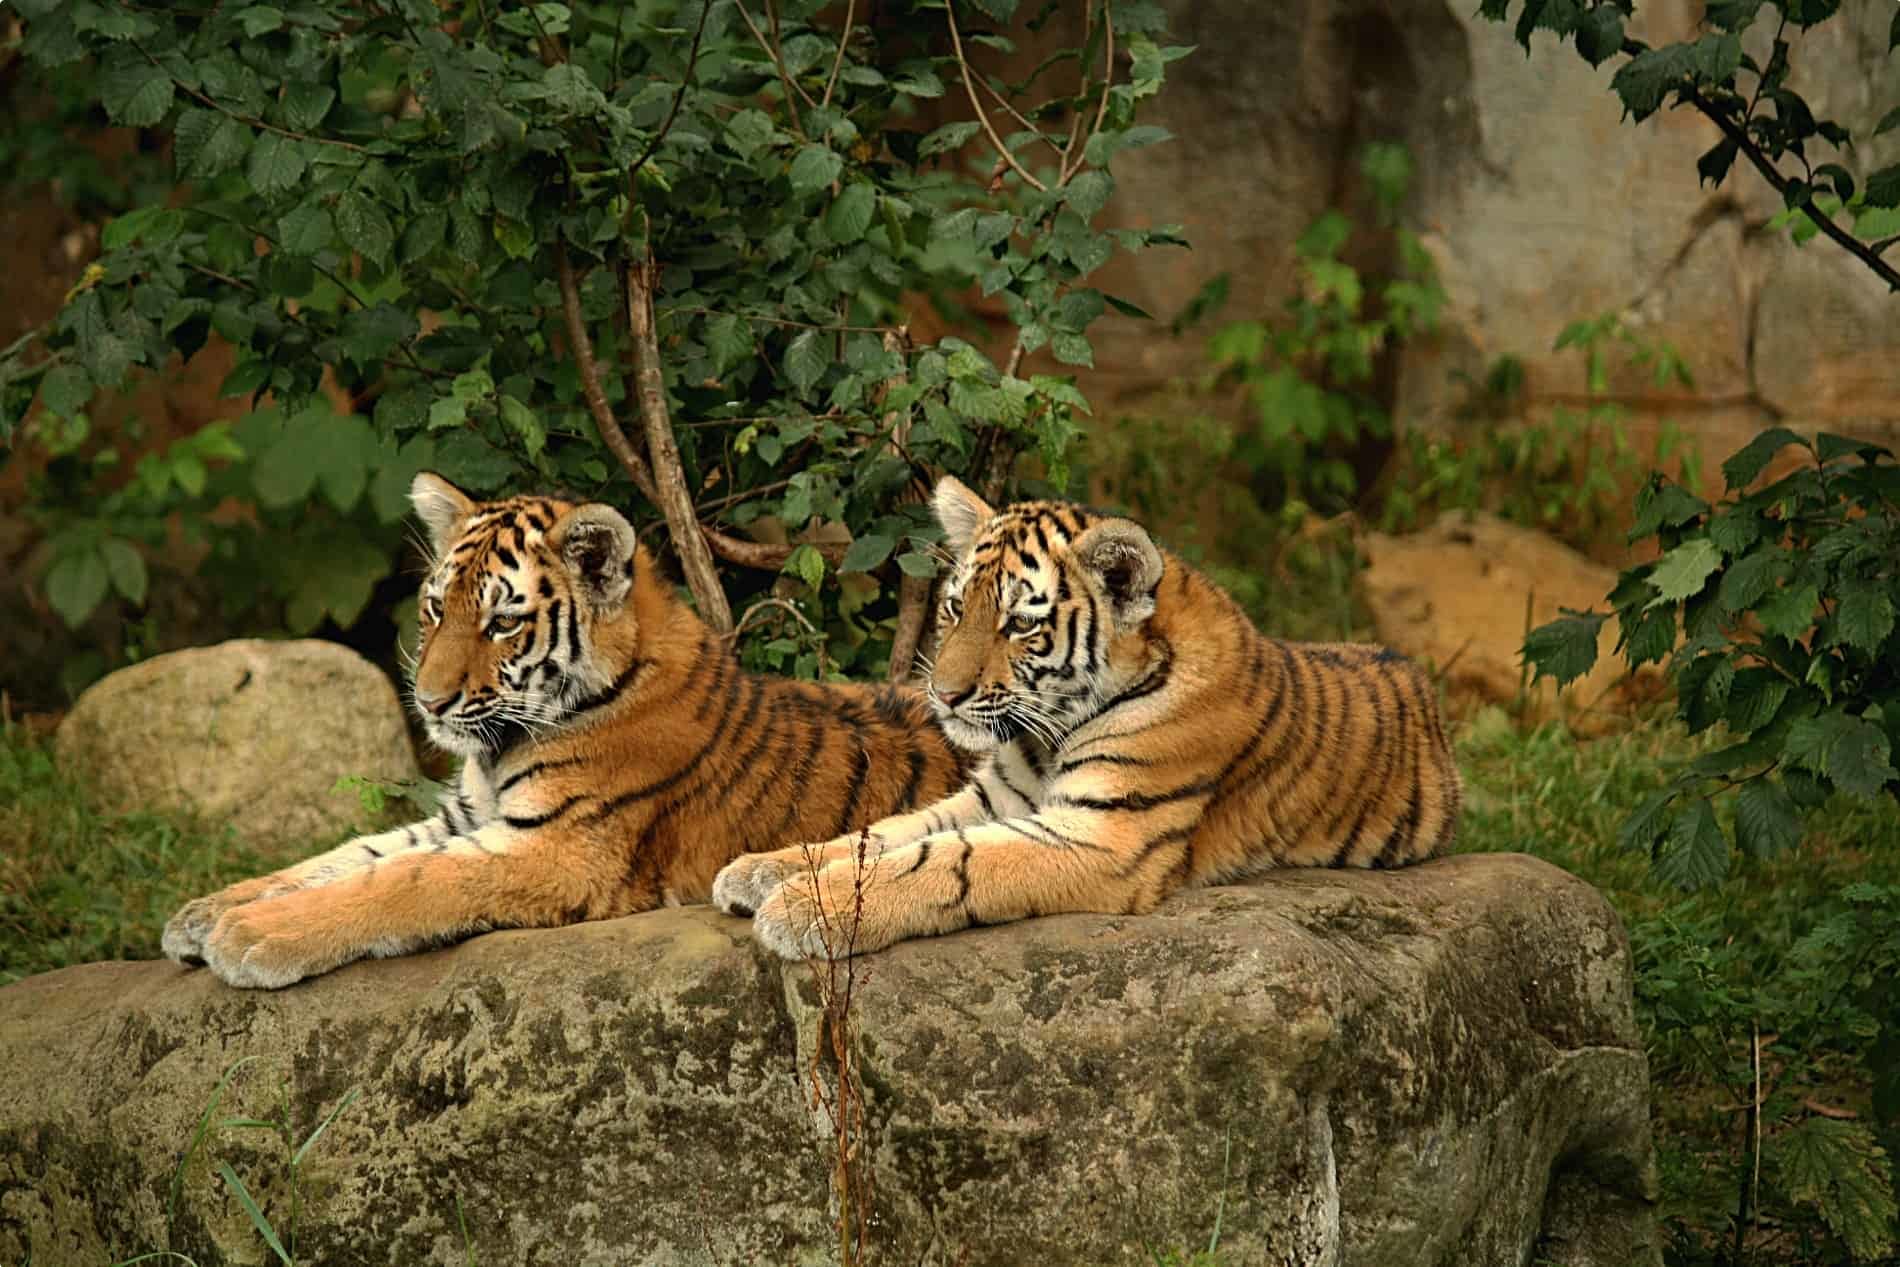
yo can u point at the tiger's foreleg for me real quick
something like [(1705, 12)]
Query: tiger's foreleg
[(495, 877), (744, 883), (1044, 864), (185, 933)]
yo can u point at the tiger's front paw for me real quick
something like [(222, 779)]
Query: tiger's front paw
[(270, 944), (186, 931), (791, 923), (745, 882)]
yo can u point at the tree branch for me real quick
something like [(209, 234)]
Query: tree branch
[(1822, 221), (583, 350), (844, 38), (763, 555), (983, 120), (792, 90), (676, 502), (913, 592), (1078, 147)]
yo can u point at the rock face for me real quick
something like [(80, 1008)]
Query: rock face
[(1431, 1066), (251, 732), (1456, 596)]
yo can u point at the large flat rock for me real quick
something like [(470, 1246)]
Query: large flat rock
[(1431, 1066)]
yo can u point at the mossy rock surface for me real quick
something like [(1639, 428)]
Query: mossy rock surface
[(1431, 1066)]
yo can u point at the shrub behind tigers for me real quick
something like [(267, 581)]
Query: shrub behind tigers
[(1140, 735), (614, 755)]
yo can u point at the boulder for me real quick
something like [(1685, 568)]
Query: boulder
[(1437, 1065), (249, 732), (1460, 596)]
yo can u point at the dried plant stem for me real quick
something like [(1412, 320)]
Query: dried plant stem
[(596, 397), (675, 500)]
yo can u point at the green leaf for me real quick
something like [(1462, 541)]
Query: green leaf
[(306, 230), (126, 567), (729, 340), (522, 421), (1890, 120), (1089, 192), (223, 147), (1851, 751), (1766, 821), (951, 136), (1599, 34), (807, 358), (66, 390), (1683, 572), (1695, 854), (807, 565), (1565, 649), (1839, 1168), (136, 97), (1789, 613), (1864, 616), (76, 585), (813, 169), (918, 80), (1750, 579), (277, 164), (850, 213), (1755, 698), (305, 103), (1642, 81), (1072, 349), (917, 563), (866, 552), (1883, 187), (750, 130), (364, 226)]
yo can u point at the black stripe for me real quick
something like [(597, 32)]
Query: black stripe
[(860, 767), (963, 872), (523, 822), (533, 768), (602, 698), (1039, 831), (1178, 835), (923, 856), (1156, 679), (573, 630), (989, 810), (1105, 758), (1141, 800), (908, 797)]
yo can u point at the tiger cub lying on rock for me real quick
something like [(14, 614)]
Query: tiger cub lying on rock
[(1141, 736), (614, 756)]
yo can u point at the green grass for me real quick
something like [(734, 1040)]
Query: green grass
[(1776, 960), (78, 886)]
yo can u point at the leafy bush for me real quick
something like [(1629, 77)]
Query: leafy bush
[(1774, 610), (663, 250)]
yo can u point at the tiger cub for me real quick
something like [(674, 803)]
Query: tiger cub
[(615, 756), (1141, 736)]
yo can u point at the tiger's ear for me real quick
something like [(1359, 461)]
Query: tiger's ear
[(1125, 563), (441, 506), (961, 512), (596, 543)]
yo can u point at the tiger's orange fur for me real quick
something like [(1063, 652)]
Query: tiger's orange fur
[(1141, 736), (616, 756)]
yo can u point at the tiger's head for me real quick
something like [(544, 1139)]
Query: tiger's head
[(515, 595), (1043, 619)]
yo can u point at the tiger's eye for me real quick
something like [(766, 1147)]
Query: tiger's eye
[(1021, 625), (499, 625)]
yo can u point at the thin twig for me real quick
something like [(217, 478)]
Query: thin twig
[(246, 119), (983, 120), (1822, 221), (844, 38), (1073, 161), (663, 450), (583, 350), (666, 124), (766, 605)]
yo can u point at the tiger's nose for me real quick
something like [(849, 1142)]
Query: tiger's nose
[(950, 699), (436, 704)]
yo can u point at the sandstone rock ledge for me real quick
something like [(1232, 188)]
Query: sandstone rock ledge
[(1433, 1066)]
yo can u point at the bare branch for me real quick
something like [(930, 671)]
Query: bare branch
[(583, 350), (844, 38), (764, 556), (676, 502), (1073, 160), (792, 90), (983, 120)]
